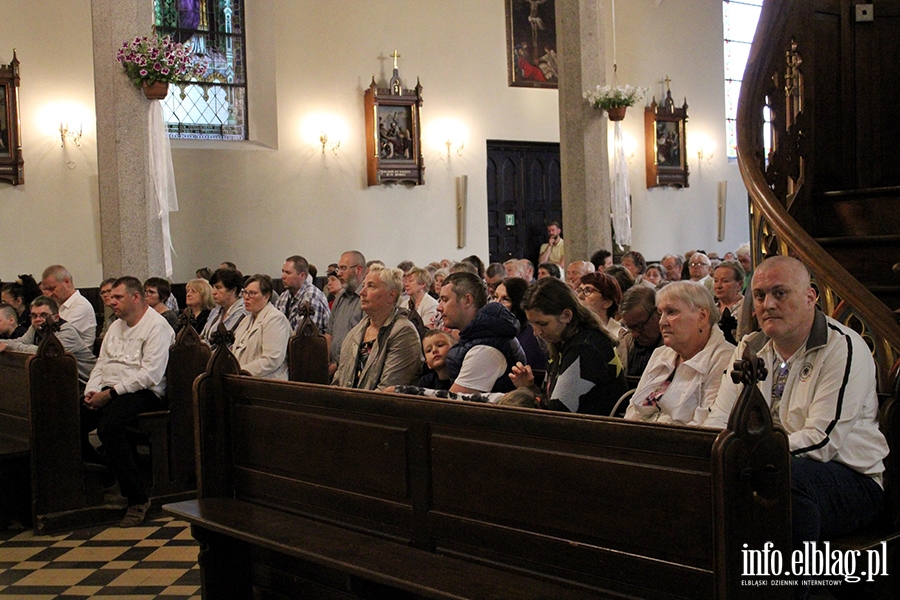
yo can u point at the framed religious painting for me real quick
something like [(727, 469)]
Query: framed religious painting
[(12, 166), (393, 134), (666, 144), (531, 43)]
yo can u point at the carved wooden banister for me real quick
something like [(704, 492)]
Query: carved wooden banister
[(773, 78)]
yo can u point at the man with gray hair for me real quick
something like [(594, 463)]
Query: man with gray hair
[(576, 270), (673, 263), (346, 311), (640, 334), (297, 290), (74, 308)]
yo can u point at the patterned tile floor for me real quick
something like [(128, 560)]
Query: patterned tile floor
[(156, 560)]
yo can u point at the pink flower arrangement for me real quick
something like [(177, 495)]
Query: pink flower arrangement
[(152, 59)]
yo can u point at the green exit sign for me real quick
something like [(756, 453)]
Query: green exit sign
[(510, 219)]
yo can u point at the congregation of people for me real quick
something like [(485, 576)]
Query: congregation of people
[(574, 335)]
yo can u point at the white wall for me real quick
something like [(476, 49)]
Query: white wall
[(257, 207), (53, 217), (681, 40), (256, 204)]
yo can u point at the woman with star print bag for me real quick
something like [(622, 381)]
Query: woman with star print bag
[(584, 374)]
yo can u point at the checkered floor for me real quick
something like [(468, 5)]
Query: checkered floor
[(158, 559)]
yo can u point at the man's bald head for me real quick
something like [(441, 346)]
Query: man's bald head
[(784, 302), (791, 268)]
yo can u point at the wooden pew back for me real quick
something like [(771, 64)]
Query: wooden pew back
[(14, 396), (39, 408), (171, 432), (307, 351), (637, 508)]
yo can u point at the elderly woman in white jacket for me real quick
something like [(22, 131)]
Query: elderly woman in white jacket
[(261, 340), (682, 378)]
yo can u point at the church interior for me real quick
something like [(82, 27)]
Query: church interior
[(277, 193), (86, 202)]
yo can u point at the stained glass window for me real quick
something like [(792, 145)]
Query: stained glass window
[(740, 18), (214, 106)]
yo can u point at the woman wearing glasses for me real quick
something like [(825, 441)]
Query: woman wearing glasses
[(260, 341), (601, 294), (683, 376), (585, 375)]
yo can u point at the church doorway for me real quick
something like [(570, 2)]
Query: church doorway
[(523, 180)]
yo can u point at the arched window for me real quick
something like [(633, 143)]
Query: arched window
[(739, 19), (214, 106)]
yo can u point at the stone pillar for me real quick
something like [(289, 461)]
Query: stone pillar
[(584, 156), (130, 230)]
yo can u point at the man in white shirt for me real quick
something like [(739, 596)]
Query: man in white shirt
[(821, 390), (487, 347), (128, 379), (74, 308)]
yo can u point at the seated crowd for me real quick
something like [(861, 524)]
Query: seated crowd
[(563, 337)]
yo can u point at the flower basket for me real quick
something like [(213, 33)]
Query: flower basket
[(158, 90), (614, 100), (616, 113), (152, 63)]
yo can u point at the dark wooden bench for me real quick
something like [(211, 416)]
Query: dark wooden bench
[(307, 351), (171, 432), (44, 480), (315, 491)]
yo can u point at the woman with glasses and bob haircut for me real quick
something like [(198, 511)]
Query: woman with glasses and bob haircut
[(261, 340), (585, 375), (682, 378), (601, 294)]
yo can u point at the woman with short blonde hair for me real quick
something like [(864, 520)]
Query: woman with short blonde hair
[(682, 378)]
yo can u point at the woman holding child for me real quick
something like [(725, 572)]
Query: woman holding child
[(383, 350), (584, 375), (683, 376)]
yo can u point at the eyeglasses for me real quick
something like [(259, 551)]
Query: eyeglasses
[(343, 268), (640, 328), (251, 294), (36, 316), (586, 292), (700, 264)]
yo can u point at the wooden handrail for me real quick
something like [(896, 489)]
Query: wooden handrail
[(771, 219)]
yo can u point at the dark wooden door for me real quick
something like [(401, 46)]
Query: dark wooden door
[(523, 180)]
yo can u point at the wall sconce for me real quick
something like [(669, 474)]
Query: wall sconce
[(65, 132), (454, 144), (703, 148), (447, 133), (325, 131), (333, 146), (704, 155)]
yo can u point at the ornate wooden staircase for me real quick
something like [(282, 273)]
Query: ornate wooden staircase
[(818, 139)]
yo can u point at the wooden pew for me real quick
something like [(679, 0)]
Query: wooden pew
[(315, 491), (307, 351), (171, 432), (39, 420)]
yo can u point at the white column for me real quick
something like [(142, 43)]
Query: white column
[(584, 157), (130, 230)]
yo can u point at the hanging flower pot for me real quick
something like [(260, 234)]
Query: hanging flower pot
[(616, 113), (157, 90), (152, 63), (614, 100)]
